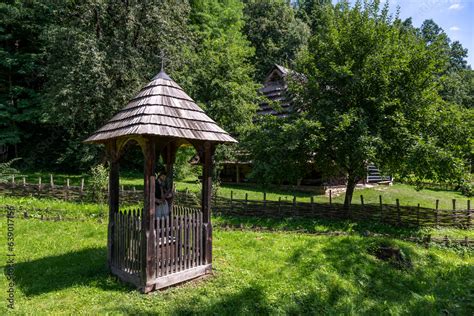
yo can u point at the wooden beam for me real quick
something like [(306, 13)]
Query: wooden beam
[(182, 276), (148, 264), (113, 157), (206, 201)]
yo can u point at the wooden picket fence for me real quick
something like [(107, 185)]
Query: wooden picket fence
[(126, 252), (179, 242)]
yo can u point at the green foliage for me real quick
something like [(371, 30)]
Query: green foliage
[(276, 33), (21, 68), (98, 181), (6, 170), (182, 168), (281, 149), (373, 86), (222, 72)]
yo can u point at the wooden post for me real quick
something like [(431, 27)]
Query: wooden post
[(246, 201), (279, 205), (330, 197), (294, 205), (24, 181), (206, 201), (231, 200), (381, 208), (265, 200), (468, 213), (437, 213), (13, 181), (362, 201), (113, 199), (148, 264), (418, 215), (454, 211), (67, 189), (51, 181), (237, 173), (148, 268), (399, 218), (82, 186), (312, 204), (39, 183)]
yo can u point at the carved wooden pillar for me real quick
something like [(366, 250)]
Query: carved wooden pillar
[(169, 156), (206, 200), (112, 155), (148, 247)]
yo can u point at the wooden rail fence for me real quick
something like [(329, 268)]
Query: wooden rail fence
[(393, 214)]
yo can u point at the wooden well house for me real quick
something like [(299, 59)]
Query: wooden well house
[(156, 252)]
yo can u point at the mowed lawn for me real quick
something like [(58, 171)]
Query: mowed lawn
[(61, 269)]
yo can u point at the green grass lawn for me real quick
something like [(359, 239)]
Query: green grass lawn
[(405, 193), (61, 269)]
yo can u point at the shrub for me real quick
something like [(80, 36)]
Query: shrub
[(6, 170), (99, 178)]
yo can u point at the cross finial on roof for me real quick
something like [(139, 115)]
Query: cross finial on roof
[(163, 58)]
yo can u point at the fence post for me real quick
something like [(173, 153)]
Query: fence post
[(294, 205), (454, 211), (51, 181), (418, 215), (279, 205), (362, 202), (437, 213), (330, 198), (468, 213), (82, 187), (312, 204), (246, 201), (265, 200), (67, 189), (381, 208), (39, 183), (399, 218), (24, 181), (13, 180)]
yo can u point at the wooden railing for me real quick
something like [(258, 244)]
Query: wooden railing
[(179, 241), (126, 251)]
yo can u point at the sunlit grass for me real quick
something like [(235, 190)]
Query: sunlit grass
[(61, 270)]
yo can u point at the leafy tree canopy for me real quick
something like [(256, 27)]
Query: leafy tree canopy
[(373, 85)]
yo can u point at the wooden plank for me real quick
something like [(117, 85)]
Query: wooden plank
[(182, 276), (148, 232)]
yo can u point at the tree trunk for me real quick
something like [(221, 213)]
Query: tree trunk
[(351, 184)]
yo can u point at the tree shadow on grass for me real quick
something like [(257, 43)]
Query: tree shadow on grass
[(249, 300), (429, 287), (80, 268)]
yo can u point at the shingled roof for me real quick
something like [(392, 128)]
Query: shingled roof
[(162, 108)]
